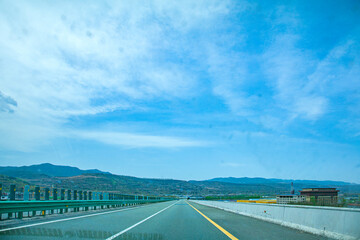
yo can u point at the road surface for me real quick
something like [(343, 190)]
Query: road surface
[(160, 221)]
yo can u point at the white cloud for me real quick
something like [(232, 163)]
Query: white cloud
[(311, 107), (287, 68), (73, 54), (137, 140), (298, 84), (233, 164), (65, 60), (305, 85), (61, 59), (7, 104), (229, 73), (25, 136)]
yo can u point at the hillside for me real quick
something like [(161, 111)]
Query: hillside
[(44, 170), (7, 181), (344, 187), (245, 180), (48, 175), (133, 185)]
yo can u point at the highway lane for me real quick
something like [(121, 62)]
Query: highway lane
[(90, 227), (178, 222), (183, 222), (168, 220), (250, 228)]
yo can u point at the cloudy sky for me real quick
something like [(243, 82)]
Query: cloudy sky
[(185, 90)]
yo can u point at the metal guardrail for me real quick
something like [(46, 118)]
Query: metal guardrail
[(47, 194), (34, 208), (62, 201)]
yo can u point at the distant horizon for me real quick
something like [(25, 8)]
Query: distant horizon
[(85, 169)]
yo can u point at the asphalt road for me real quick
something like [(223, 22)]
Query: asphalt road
[(159, 221)]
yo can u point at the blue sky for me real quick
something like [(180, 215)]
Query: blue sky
[(185, 90)]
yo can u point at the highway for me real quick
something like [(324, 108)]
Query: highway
[(159, 221)]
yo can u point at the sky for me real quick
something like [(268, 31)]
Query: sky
[(183, 89)]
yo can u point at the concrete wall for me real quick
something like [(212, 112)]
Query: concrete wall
[(338, 223)]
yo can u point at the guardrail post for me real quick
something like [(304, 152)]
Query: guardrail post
[(94, 195), (90, 195), (47, 197), (26, 193), (12, 192), (68, 196), (37, 193), (12, 197), (108, 197), (55, 197), (86, 198), (47, 194), (75, 198), (37, 198), (80, 195), (102, 198), (62, 197), (62, 194)]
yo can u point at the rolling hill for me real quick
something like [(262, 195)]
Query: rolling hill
[(245, 180), (44, 170), (48, 175)]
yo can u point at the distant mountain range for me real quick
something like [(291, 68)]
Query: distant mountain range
[(45, 170), (48, 175), (246, 180)]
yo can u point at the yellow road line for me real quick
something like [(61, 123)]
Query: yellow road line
[(215, 224)]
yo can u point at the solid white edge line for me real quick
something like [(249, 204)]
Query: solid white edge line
[(136, 224), (67, 219)]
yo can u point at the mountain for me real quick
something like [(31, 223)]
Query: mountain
[(48, 175), (245, 180), (149, 186), (44, 170), (284, 184), (7, 181)]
